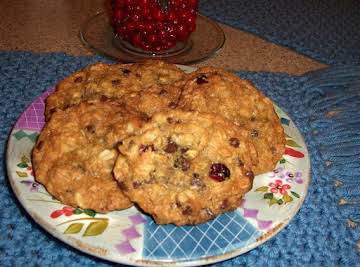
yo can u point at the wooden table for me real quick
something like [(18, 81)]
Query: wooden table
[(53, 26)]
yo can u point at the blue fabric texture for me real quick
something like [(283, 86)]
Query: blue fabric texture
[(325, 107), (326, 30)]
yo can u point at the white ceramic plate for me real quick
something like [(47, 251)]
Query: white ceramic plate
[(130, 237)]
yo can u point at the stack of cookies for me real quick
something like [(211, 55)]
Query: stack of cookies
[(181, 147)]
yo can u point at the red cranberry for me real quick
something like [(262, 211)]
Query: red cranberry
[(136, 39), (157, 14), (219, 172), (134, 20), (140, 26), (152, 39), (143, 3), (193, 3), (130, 26), (149, 26), (182, 32), (171, 16)]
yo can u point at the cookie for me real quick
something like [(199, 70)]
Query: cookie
[(75, 153), (128, 83), (214, 90), (186, 167)]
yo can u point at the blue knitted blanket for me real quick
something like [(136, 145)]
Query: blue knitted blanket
[(326, 30), (325, 105)]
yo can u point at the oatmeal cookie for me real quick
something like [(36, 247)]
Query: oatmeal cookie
[(186, 167), (75, 153), (214, 90), (129, 83)]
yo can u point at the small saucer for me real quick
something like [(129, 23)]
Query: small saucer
[(97, 34)]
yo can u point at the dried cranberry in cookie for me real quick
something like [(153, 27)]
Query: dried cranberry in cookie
[(191, 170), (219, 172)]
